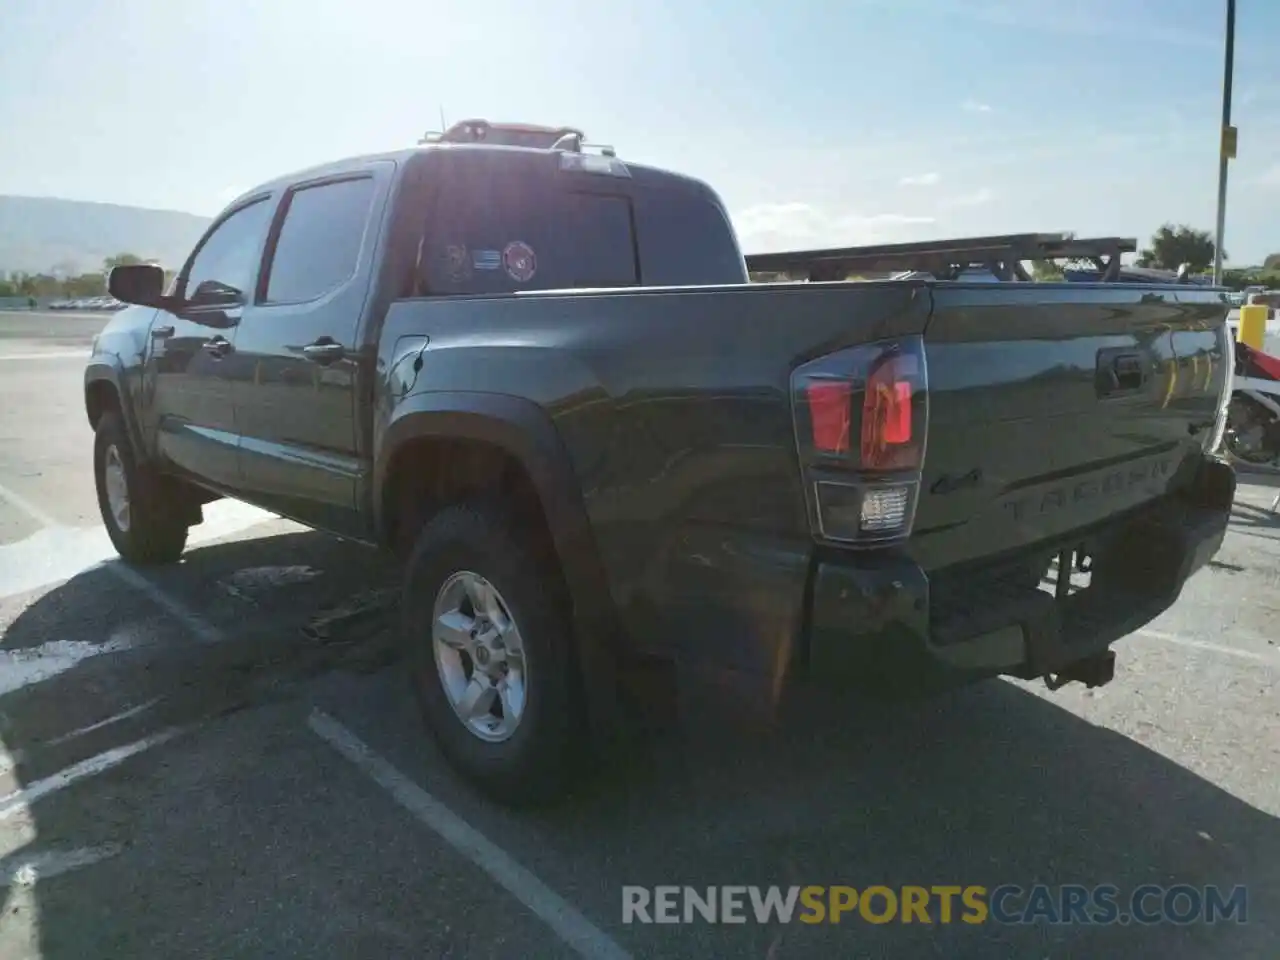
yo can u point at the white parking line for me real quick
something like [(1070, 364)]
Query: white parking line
[(23, 666), (27, 507), (26, 869), (1210, 647), (18, 801), (572, 927), (114, 718), (85, 549), (201, 628), (48, 355)]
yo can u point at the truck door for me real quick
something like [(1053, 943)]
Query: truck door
[(295, 387), (192, 349)]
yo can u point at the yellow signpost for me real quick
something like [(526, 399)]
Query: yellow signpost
[(1253, 324)]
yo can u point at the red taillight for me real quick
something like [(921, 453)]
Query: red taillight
[(886, 416), (862, 495), (829, 411)]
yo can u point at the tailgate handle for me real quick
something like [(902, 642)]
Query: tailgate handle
[(1119, 372)]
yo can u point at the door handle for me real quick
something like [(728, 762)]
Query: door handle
[(161, 333), (217, 347), (324, 351)]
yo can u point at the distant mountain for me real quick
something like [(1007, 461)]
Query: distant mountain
[(44, 234)]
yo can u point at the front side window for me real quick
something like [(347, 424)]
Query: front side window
[(320, 240), (223, 269)]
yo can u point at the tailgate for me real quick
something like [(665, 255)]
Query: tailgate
[(1052, 408)]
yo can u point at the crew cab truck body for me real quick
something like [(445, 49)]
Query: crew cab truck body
[(542, 377)]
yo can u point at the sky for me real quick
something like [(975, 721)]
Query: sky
[(819, 122)]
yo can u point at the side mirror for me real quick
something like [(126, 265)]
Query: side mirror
[(216, 293), (141, 283)]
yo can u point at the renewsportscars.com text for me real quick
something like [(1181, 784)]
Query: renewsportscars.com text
[(1006, 904)]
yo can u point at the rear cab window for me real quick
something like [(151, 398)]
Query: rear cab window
[(502, 221)]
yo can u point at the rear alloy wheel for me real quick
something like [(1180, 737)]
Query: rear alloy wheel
[(142, 510), (490, 655), (479, 656)]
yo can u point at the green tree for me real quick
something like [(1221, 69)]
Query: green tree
[(1237, 279), (1272, 263), (120, 260), (37, 284), (85, 285), (1173, 245), (1051, 271), (1046, 271)]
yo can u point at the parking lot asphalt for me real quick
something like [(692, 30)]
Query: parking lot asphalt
[(220, 759)]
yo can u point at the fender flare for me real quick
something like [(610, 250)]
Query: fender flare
[(525, 431), (100, 370)]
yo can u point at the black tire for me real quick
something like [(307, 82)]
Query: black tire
[(157, 526), (1244, 413), (541, 759)]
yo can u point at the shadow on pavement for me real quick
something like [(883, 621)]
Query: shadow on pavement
[(992, 785), (1254, 520), (95, 666)]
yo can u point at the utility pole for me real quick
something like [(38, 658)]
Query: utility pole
[(1226, 142)]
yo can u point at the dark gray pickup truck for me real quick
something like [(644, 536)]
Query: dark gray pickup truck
[(543, 377)]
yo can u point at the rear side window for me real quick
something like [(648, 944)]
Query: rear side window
[(495, 228), (685, 239), (320, 239), (599, 227)]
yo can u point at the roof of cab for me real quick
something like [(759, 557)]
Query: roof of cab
[(640, 173)]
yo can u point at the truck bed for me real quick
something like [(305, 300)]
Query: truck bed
[(675, 402), (675, 407)]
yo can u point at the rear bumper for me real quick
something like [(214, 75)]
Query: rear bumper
[(881, 622)]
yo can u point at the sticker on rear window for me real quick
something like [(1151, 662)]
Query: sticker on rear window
[(457, 262), (487, 259), (519, 260)]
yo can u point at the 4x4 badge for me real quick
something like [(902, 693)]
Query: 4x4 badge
[(949, 484)]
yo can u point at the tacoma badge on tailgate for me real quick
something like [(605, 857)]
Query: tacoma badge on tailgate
[(1109, 484)]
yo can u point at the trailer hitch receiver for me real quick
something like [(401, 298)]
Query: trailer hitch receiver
[(1094, 671)]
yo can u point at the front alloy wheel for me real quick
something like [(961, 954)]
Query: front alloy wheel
[(116, 483), (146, 514)]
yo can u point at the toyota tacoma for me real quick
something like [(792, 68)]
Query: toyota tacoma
[(542, 375)]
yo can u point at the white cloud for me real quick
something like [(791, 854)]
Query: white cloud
[(795, 225), (921, 180), (1268, 178), (975, 199), (974, 106)]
